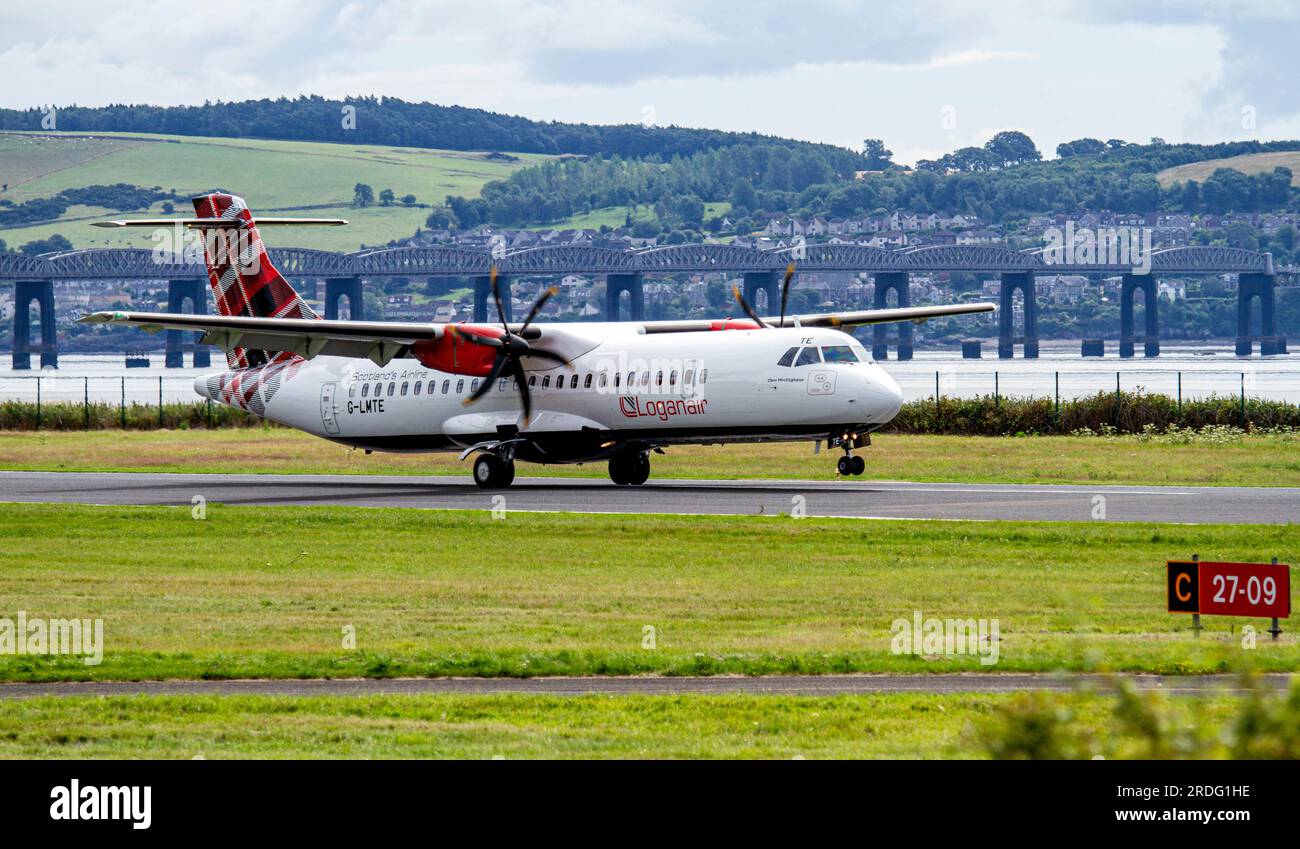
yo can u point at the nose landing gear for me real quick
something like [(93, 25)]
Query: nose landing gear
[(850, 464)]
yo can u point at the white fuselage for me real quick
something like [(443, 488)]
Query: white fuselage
[(631, 388)]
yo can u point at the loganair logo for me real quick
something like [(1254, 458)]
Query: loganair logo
[(633, 407)]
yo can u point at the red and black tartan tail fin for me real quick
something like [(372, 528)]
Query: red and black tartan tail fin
[(244, 282)]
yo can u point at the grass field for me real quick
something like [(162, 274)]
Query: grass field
[(274, 176), (1249, 164), (616, 216), (275, 592), (879, 726), (1252, 461)]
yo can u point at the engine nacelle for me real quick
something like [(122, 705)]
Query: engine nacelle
[(452, 354)]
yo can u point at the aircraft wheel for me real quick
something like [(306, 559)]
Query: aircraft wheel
[(491, 472), (845, 466), (629, 469), (639, 470), (859, 466)]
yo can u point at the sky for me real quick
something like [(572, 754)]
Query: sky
[(926, 76)]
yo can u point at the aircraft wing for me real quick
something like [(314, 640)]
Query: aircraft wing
[(379, 341), (830, 319)]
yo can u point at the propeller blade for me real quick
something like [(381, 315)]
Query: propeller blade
[(496, 296), (744, 305), (525, 397), (785, 291), (548, 355), (486, 386), (537, 307), (476, 339)]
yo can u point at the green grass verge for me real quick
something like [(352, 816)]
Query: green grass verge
[(1249, 461), (870, 726), (272, 592)]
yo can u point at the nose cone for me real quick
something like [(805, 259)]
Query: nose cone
[(884, 397)]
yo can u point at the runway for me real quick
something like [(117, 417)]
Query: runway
[(847, 498), (802, 685)]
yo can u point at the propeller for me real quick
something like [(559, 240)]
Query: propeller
[(511, 348), (785, 298)]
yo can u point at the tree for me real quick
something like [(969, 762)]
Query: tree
[(387, 197), (742, 195), (1011, 147), (877, 157), (441, 218), (362, 195), (168, 208), (45, 246), (408, 200)]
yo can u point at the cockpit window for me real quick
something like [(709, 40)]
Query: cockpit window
[(808, 357), (839, 354), (787, 359)]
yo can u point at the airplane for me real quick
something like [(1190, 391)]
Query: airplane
[(565, 392)]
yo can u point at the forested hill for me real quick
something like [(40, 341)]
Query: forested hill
[(391, 121)]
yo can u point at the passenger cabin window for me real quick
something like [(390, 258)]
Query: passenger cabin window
[(379, 389), (704, 376), (473, 386), (573, 384), (586, 383), (416, 390), (406, 385), (352, 390), (604, 379), (839, 354), (787, 359), (559, 381), (616, 377), (446, 386), (546, 381), (460, 386), (808, 357), (392, 388), (365, 390), (532, 380)]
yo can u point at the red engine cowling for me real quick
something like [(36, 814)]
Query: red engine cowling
[(454, 355)]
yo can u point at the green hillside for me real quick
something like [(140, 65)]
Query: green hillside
[(311, 178)]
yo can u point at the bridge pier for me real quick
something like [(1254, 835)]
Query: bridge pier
[(41, 291), (1150, 307), (766, 281), (1007, 340), (899, 282), (615, 286), (1250, 287), (344, 287), (483, 296), (196, 292)]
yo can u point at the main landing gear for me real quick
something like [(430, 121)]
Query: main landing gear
[(630, 469), (492, 471)]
